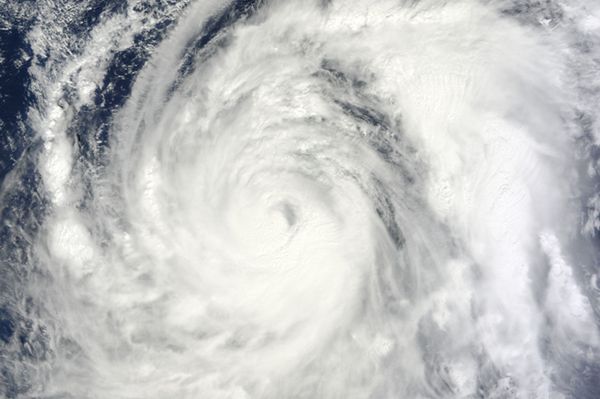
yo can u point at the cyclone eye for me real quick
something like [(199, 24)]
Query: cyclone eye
[(288, 212)]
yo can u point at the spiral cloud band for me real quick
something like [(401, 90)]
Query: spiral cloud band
[(302, 199)]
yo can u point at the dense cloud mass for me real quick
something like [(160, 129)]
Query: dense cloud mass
[(299, 199)]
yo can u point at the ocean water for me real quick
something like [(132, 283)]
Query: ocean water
[(299, 199)]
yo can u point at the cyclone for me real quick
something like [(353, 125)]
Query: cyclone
[(299, 199)]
